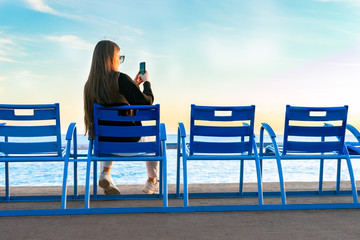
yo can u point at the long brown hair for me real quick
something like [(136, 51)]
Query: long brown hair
[(102, 86)]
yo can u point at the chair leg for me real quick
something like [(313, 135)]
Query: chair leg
[(178, 173), (321, 175), (164, 183), (75, 180), (178, 156), (161, 175), (258, 167), (64, 185), (95, 179), (7, 181), (75, 156), (186, 194), (352, 179), (87, 184), (281, 179), (259, 181), (338, 176), (241, 182)]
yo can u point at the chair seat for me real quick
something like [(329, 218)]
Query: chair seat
[(244, 156), (140, 157)]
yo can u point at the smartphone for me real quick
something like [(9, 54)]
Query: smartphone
[(142, 68)]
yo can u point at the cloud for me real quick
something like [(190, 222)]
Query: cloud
[(71, 41), (6, 41), (6, 46), (5, 59), (41, 6)]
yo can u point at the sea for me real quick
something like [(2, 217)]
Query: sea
[(51, 174)]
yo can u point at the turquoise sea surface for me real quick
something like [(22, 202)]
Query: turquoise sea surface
[(50, 174)]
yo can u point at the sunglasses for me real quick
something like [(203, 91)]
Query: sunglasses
[(122, 58)]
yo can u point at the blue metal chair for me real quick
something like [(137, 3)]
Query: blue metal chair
[(327, 142), (107, 125), (31, 133), (229, 140)]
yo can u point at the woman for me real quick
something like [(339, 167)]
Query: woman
[(107, 86)]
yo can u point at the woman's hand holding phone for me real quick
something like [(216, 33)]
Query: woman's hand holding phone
[(140, 78), (144, 77)]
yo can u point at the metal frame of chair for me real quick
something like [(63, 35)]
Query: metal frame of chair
[(101, 149), (30, 134), (242, 146), (295, 149)]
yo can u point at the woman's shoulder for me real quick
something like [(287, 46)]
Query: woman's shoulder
[(125, 80), (124, 77)]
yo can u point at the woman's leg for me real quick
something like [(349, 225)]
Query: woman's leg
[(152, 170), (105, 180), (152, 183), (106, 166)]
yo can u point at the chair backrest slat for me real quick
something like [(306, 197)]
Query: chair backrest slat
[(303, 122), (222, 125), (118, 115), (30, 129), (220, 147), (333, 131), (221, 131), (118, 128), (317, 113), (28, 148), (127, 131), (313, 147), (38, 114), (126, 147), (222, 113)]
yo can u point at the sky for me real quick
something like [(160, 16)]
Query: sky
[(267, 53)]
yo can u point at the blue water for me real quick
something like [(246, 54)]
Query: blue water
[(50, 174)]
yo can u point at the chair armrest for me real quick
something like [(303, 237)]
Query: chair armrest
[(70, 131), (354, 131), (266, 127), (69, 137), (181, 139), (182, 130), (162, 132)]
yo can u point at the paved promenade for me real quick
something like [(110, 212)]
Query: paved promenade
[(296, 224)]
